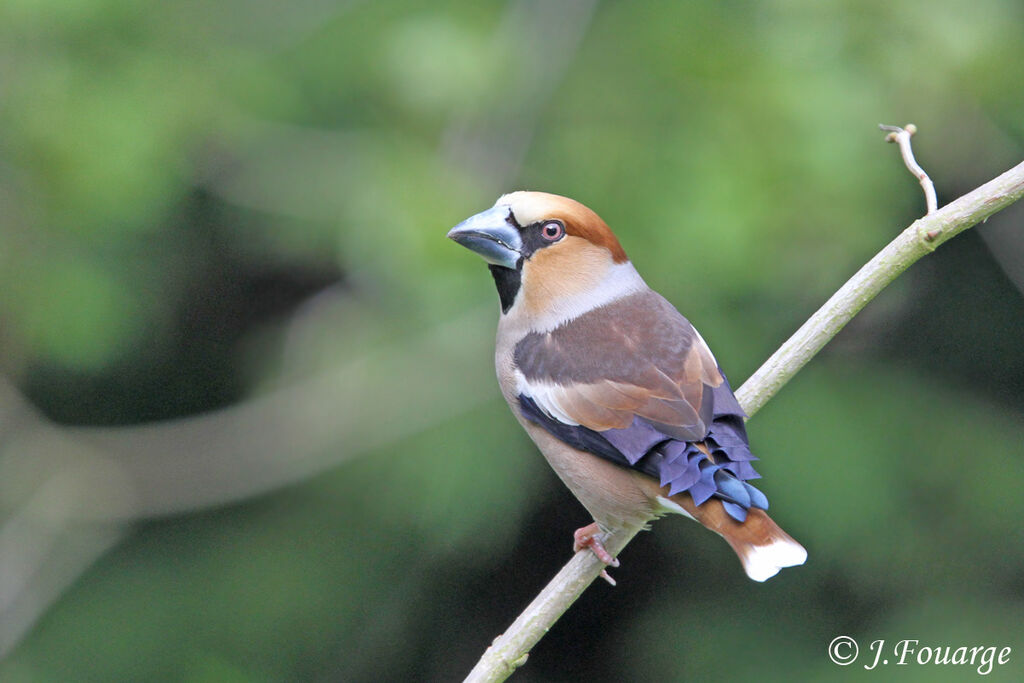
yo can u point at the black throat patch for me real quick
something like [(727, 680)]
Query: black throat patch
[(508, 282)]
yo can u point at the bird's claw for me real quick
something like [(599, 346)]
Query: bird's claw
[(588, 537)]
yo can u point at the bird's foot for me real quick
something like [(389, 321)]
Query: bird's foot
[(589, 537)]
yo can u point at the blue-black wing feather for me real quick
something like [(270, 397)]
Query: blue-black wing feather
[(679, 465)]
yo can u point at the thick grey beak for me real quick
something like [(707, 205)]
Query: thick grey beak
[(492, 235)]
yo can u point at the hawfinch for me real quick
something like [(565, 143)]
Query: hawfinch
[(616, 388)]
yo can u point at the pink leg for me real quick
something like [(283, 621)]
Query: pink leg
[(588, 537)]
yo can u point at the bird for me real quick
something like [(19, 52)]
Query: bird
[(615, 387)]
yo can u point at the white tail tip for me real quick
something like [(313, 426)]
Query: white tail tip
[(762, 562)]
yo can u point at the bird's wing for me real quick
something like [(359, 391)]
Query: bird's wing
[(634, 383), (634, 359)]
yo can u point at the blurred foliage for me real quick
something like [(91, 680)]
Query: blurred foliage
[(179, 181)]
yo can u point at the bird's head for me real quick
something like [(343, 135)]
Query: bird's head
[(548, 254)]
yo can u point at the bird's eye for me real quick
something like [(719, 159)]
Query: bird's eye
[(552, 230)]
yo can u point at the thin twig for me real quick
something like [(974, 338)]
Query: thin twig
[(921, 238), (511, 649), (902, 137)]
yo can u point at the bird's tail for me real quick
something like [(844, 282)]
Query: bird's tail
[(762, 546)]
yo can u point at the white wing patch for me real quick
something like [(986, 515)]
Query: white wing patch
[(545, 395)]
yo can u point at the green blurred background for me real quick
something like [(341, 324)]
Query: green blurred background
[(249, 428)]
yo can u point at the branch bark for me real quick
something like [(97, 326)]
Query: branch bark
[(511, 649)]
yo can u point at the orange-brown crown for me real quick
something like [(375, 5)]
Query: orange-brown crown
[(580, 221)]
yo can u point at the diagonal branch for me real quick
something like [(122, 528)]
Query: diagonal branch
[(511, 649), (921, 238)]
